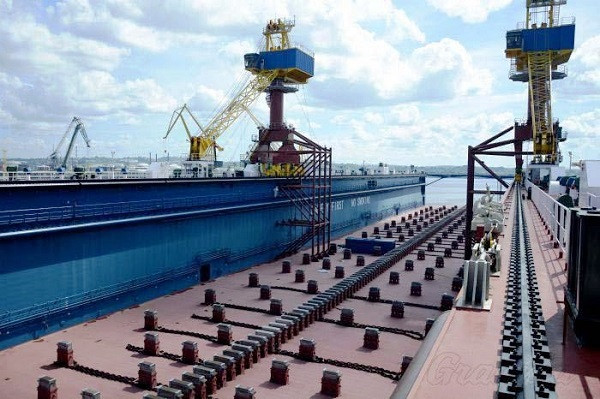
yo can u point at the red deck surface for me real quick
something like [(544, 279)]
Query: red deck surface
[(100, 344), (464, 360)]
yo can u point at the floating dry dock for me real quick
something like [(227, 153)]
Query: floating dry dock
[(348, 324), (368, 351)]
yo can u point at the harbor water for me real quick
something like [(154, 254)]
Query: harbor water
[(452, 191)]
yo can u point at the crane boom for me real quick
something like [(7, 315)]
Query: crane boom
[(178, 115), (54, 156), (76, 126), (258, 123), (278, 61), (201, 145)]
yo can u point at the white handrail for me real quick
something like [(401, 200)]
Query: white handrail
[(593, 200), (556, 215)]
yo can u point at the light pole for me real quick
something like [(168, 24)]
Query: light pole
[(112, 167), (570, 160)]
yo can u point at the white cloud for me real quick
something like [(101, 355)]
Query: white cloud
[(29, 47), (404, 114), (103, 93), (125, 23), (583, 125), (46, 77), (409, 135), (380, 87), (589, 52), (470, 11), (582, 130), (454, 67), (374, 118), (372, 72), (588, 55), (583, 80)]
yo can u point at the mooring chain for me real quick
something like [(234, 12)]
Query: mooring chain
[(393, 330), (171, 356), (206, 337), (233, 323), (339, 363), (246, 308), (101, 374), (391, 301), (409, 333), (358, 297), (281, 287)]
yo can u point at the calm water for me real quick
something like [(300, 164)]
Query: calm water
[(453, 191)]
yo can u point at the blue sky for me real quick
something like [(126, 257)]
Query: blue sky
[(403, 82)]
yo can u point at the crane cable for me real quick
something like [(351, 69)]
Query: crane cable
[(303, 103)]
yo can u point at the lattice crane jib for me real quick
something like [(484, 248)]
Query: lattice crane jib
[(538, 49), (75, 126), (278, 59), (201, 145)]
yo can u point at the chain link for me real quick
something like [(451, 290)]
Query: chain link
[(281, 287), (102, 374), (242, 307), (349, 365), (233, 323), (171, 356), (409, 333), (206, 337), (391, 301)]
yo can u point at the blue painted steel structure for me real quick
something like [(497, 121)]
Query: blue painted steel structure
[(286, 59), (367, 245), (556, 38), (72, 251)]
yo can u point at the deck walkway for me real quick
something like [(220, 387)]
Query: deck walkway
[(465, 357)]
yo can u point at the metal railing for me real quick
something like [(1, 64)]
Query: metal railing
[(46, 175), (556, 215), (592, 201), (16, 316), (71, 212)]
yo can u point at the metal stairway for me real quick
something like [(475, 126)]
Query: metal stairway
[(309, 190)]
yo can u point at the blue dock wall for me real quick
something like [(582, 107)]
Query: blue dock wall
[(87, 266)]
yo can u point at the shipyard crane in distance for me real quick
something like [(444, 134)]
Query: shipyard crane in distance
[(76, 126), (274, 68), (279, 150), (538, 51), (199, 141)]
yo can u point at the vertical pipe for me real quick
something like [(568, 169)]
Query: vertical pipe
[(320, 208), (327, 202), (312, 210), (276, 109), (329, 166), (470, 188), (317, 203)]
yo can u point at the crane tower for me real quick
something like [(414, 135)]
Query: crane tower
[(538, 50), (275, 149), (276, 66)]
